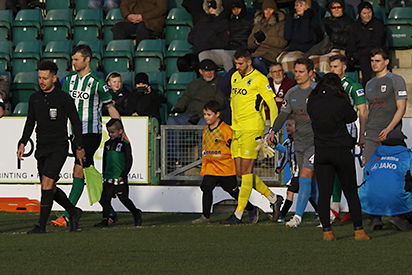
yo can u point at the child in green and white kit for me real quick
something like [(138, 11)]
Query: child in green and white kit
[(117, 162)]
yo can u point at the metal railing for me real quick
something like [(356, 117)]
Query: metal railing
[(180, 155)]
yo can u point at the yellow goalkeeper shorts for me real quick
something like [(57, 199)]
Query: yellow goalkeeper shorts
[(244, 144)]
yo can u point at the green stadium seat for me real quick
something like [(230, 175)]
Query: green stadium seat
[(399, 28), (87, 24), (25, 56), (18, 96), (118, 56), (157, 80), (149, 55), (179, 16), (178, 81), (81, 4), (380, 13), (172, 98), (26, 81), (178, 25), (57, 25), (27, 25), (178, 32), (176, 48), (5, 50), (113, 16), (58, 52), (21, 109), (6, 17), (57, 4)]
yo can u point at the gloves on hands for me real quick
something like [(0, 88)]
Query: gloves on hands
[(259, 36), (263, 149)]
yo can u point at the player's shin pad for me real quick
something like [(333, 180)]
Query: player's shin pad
[(263, 149), (94, 183)]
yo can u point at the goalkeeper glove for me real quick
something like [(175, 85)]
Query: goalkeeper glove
[(263, 149)]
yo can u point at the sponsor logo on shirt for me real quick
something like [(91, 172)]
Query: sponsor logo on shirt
[(216, 153), (402, 93), (79, 95), (360, 92), (384, 165), (238, 91), (268, 87)]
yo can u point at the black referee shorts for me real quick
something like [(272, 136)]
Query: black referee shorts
[(51, 159), (91, 143)]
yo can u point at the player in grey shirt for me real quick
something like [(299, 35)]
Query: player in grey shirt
[(294, 106), (387, 96)]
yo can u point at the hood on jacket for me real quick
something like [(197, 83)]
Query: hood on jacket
[(386, 150), (366, 5), (277, 16), (219, 5)]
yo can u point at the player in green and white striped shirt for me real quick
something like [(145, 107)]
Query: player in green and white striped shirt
[(89, 93), (338, 65)]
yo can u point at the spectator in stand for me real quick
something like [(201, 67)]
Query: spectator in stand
[(4, 95), (302, 31), (197, 94), (240, 25), (266, 39), (367, 34), (13, 4), (210, 36), (120, 95), (338, 27), (146, 100), (279, 82), (144, 18), (106, 5)]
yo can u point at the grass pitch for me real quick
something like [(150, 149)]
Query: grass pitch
[(169, 243)]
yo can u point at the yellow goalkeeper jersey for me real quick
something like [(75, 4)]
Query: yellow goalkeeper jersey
[(247, 96)]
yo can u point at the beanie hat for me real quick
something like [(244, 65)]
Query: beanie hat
[(269, 4), (141, 78)]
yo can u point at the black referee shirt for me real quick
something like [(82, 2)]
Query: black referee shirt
[(50, 111)]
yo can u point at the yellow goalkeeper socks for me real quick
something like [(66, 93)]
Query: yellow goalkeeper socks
[(262, 188), (245, 190)]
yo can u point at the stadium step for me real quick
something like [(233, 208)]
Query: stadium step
[(19, 205)]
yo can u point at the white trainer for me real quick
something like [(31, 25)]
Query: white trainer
[(294, 221), (201, 220)]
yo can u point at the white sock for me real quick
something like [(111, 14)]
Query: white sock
[(272, 197), (238, 214), (335, 206)]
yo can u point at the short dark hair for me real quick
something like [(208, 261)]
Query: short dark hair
[(245, 53), (276, 64), (116, 123), (381, 52), (307, 62), (339, 57), (47, 66), (85, 50), (213, 106)]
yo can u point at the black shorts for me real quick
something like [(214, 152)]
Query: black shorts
[(294, 185), (51, 159), (91, 143)]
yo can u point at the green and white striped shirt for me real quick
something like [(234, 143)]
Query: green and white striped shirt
[(89, 93)]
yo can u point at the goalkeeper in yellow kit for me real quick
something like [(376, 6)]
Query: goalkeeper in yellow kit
[(249, 89)]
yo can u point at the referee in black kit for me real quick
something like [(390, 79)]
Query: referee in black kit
[(49, 109)]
